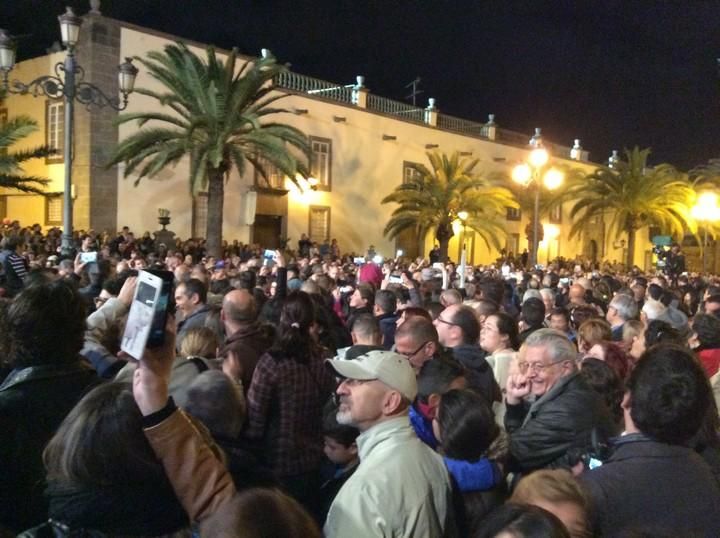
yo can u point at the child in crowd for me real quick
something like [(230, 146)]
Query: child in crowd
[(342, 451)]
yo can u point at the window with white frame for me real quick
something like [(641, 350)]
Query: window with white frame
[(53, 209), (55, 128), (321, 162), (199, 214), (319, 223), (410, 172)]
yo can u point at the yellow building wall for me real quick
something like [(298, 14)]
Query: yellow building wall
[(31, 209)]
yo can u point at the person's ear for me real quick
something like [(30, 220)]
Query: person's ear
[(434, 400), (392, 403), (353, 449)]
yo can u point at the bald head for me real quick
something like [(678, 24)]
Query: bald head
[(238, 307), (576, 294)]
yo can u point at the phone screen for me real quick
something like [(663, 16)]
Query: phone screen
[(163, 305), (269, 254), (139, 322), (395, 279), (88, 257)]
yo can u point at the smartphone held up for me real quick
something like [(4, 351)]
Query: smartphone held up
[(149, 309)]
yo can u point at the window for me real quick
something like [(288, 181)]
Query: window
[(55, 128), (556, 214), (275, 178), (514, 213), (409, 172), (321, 162), (199, 214), (53, 209), (319, 225)]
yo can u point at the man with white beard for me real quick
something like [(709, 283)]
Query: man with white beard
[(401, 487)]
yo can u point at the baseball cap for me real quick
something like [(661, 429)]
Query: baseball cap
[(391, 368)]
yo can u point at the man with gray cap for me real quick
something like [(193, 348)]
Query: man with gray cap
[(401, 487)]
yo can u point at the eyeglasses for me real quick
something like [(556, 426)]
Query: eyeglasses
[(445, 321), (537, 367), (408, 355)]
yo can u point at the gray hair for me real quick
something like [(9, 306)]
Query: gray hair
[(217, 402), (557, 344), (531, 293), (626, 306), (547, 293)]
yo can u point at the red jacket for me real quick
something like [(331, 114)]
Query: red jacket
[(710, 359)]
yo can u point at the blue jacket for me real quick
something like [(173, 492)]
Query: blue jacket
[(478, 475)]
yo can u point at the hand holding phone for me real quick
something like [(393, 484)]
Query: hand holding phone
[(152, 377), (148, 313)]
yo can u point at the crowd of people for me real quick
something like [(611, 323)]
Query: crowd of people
[(308, 394)]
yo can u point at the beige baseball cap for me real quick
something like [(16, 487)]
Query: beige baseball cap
[(391, 368)]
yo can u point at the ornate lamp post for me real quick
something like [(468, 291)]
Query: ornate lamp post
[(68, 85), (529, 173)]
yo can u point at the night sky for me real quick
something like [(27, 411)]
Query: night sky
[(613, 73)]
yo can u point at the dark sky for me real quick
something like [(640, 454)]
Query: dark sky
[(612, 73)]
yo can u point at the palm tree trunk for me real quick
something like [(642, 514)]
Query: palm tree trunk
[(443, 235), (631, 248), (216, 194)]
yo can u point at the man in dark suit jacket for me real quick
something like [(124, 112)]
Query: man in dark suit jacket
[(653, 482)]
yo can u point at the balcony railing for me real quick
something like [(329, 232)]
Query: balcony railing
[(314, 86), (349, 94), (460, 125), (395, 108)]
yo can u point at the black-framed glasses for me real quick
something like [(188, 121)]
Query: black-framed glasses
[(445, 321), (408, 355)]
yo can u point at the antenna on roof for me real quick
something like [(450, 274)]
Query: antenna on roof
[(415, 91)]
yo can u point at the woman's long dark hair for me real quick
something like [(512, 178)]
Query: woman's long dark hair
[(467, 425), (293, 333)]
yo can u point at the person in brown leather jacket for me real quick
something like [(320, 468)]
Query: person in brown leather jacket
[(200, 479)]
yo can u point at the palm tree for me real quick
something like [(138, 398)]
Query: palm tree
[(216, 119), (11, 172), (634, 196), (432, 199)]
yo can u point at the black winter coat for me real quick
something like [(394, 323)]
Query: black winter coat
[(648, 485), (562, 420), (33, 403)]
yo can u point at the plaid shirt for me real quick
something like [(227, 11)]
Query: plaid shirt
[(285, 403)]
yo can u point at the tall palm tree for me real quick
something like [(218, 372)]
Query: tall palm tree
[(432, 199), (634, 196), (215, 113), (11, 172)]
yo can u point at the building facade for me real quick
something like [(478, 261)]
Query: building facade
[(361, 145)]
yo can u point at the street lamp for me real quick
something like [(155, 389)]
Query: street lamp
[(531, 172), (67, 84), (463, 216), (706, 210)]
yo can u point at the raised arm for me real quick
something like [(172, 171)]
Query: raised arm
[(200, 480)]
